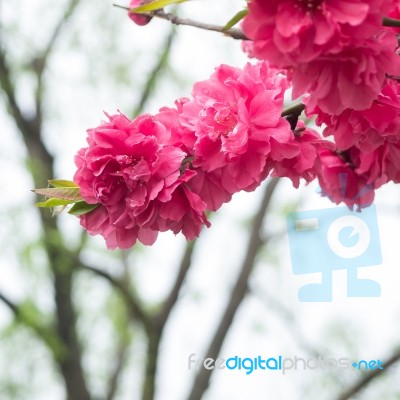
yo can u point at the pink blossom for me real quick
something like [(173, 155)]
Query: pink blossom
[(139, 181), (138, 19), (236, 119), (367, 129), (340, 182), (381, 165), (289, 32), (303, 164), (395, 14), (350, 79)]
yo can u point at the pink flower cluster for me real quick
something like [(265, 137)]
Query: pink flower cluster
[(139, 181), (337, 51), (340, 57), (164, 172), (370, 139)]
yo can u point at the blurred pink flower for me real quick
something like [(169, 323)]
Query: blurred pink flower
[(381, 165), (289, 32), (139, 182), (367, 129), (138, 19), (340, 182), (395, 14), (350, 79), (303, 164)]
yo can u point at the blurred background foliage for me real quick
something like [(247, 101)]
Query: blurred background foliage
[(79, 322)]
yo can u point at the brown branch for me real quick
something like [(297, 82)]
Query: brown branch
[(241, 287), (39, 64), (14, 308), (158, 323), (289, 320), (232, 32), (295, 109), (133, 304), (173, 295), (120, 361), (154, 75), (63, 264), (394, 23), (369, 377), (7, 86)]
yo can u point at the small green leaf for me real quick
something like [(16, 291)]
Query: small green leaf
[(81, 207), (63, 193), (155, 5), (54, 203), (60, 183), (235, 19)]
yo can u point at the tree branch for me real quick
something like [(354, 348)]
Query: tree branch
[(120, 360), (134, 305), (10, 304), (241, 287), (369, 377), (289, 319), (391, 22), (39, 63), (232, 32), (8, 88), (173, 295), (155, 73)]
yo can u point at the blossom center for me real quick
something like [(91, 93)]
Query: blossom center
[(309, 5), (226, 120)]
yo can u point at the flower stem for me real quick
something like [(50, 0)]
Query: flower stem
[(386, 21), (295, 109)]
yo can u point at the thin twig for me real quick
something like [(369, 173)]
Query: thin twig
[(173, 296), (394, 23), (154, 75), (288, 318), (120, 361), (232, 32), (39, 63), (10, 304), (370, 376), (256, 241), (132, 302), (295, 109)]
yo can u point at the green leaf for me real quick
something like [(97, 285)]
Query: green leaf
[(81, 207), (156, 5), (54, 203), (63, 193), (235, 19), (60, 183)]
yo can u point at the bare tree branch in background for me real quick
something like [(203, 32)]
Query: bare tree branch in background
[(369, 377), (154, 75), (134, 304), (120, 361), (172, 298), (289, 319), (39, 63), (159, 321), (62, 262), (256, 242), (10, 304)]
